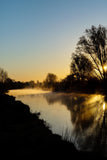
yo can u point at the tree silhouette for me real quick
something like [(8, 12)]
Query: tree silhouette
[(81, 67), (3, 78), (50, 80), (3, 75), (91, 53)]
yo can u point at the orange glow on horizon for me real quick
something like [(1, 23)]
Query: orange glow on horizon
[(35, 77)]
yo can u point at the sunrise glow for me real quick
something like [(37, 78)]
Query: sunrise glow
[(38, 37), (105, 68)]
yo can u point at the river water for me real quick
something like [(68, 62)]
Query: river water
[(79, 118)]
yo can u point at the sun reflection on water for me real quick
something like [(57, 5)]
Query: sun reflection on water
[(103, 106), (81, 118)]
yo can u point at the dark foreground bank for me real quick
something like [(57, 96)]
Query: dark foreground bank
[(23, 134)]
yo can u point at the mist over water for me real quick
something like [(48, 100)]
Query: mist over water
[(79, 118)]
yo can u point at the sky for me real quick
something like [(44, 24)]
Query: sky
[(38, 37)]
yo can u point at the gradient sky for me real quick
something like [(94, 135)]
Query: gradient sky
[(38, 36)]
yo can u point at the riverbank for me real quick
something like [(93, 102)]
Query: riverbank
[(23, 134)]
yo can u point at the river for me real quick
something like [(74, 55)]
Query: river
[(79, 118)]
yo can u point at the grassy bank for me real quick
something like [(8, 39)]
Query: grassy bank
[(23, 134)]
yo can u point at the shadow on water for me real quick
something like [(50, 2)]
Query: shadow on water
[(88, 117)]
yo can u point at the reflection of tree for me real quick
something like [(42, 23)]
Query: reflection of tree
[(87, 120), (104, 128), (87, 117)]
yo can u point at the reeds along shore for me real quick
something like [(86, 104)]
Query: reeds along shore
[(23, 134)]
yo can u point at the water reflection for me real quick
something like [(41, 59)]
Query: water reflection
[(89, 120), (82, 119)]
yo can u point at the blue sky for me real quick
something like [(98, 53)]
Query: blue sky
[(39, 36)]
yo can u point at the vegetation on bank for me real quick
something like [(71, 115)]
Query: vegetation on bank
[(7, 83), (23, 134)]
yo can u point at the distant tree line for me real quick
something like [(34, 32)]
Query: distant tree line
[(7, 83), (88, 69)]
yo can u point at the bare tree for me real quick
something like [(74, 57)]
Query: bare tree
[(81, 67), (3, 75), (93, 46)]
